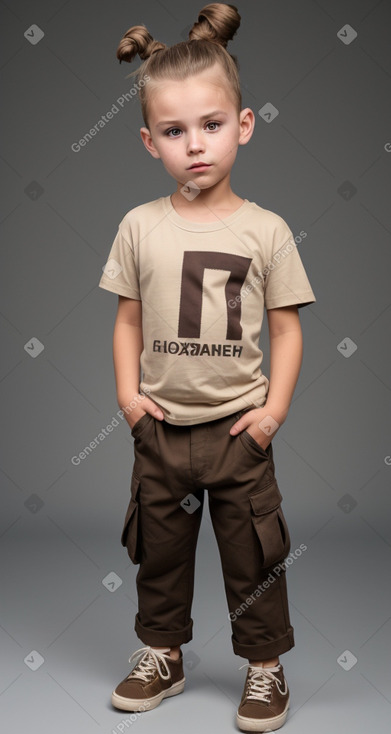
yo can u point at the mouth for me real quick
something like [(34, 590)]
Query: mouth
[(199, 166)]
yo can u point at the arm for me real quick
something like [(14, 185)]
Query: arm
[(127, 348), (286, 352)]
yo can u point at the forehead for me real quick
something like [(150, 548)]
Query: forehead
[(171, 97)]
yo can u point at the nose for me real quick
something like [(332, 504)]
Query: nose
[(195, 142)]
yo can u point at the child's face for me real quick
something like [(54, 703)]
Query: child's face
[(196, 120)]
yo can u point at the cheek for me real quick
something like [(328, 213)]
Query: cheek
[(171, 154), (227, 151), (228, 140)]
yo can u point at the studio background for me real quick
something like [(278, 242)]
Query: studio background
[(323, 163)]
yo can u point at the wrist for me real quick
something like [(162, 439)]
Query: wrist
[(131, 401), (277, 411)]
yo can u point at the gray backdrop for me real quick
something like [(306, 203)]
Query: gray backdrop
[(323, 163)]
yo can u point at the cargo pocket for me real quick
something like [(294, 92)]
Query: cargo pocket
[(270, 524), (130, 536)]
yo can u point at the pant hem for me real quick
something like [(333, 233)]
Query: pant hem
[(267, 650), (160, 638)]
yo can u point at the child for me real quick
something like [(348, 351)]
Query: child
[(193, 272)]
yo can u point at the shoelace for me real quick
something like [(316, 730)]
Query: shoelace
[(260, 682), (147, 663)]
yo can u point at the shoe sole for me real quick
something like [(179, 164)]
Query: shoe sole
[(146, 704), (246, 724)]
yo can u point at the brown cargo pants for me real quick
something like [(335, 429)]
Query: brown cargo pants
[(172, 467)]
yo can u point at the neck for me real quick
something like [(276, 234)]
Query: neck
[(218, 198)]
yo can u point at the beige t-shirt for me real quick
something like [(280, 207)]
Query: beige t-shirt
[(204, 287)]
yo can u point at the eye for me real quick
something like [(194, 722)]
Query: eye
[(171, 132), (216, 124)]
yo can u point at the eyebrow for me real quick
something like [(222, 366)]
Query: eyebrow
[(163, 123)]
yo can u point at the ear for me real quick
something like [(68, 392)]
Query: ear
[(148, 142), (247, 124)]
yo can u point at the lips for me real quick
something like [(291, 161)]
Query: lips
[(199, 165)]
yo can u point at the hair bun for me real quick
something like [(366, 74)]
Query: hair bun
[(137, 40), (217, 22)]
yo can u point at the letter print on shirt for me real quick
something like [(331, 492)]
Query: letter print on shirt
[(193, 268)]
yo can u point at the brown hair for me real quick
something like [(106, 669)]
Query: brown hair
[(216, 25)]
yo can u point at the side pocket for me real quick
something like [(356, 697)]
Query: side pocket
[(139, 426), (270, 524), (130, 536)]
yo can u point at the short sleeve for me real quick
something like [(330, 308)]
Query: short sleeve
[(285, 279), (120, 271)]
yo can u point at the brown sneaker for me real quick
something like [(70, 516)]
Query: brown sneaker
[(154, 677), (265, 700)]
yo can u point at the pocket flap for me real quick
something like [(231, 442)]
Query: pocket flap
[(134, 486), (132, 507), (266, 500)]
